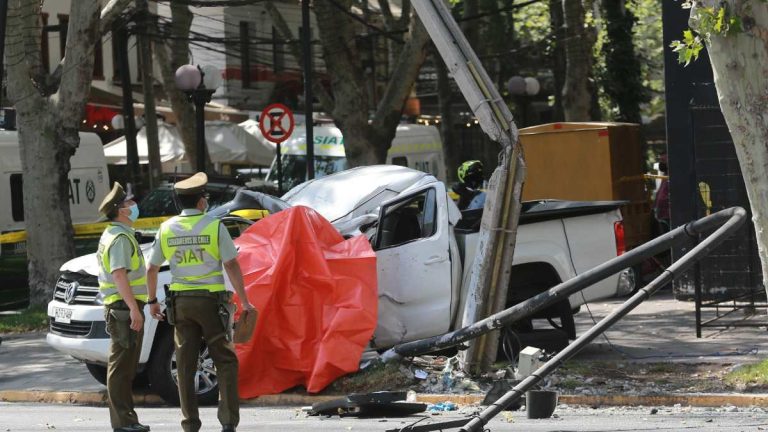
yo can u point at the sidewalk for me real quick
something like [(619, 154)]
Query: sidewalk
[(659, 330), (663, 329)]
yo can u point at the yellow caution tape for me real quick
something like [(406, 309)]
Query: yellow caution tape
[(251, 214), (95, 229)]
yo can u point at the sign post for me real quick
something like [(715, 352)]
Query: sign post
[(276, 123)]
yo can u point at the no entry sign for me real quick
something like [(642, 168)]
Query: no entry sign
[(276, 123)]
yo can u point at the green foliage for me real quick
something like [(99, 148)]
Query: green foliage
[(707, 21), (32, 319), (649, 48), (688, 49)]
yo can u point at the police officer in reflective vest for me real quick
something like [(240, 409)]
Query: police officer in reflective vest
[(198, 248), (123, 290)]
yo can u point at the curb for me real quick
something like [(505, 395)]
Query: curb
[(299, 400)]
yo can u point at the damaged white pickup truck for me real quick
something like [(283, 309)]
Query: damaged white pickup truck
[(424, 246)]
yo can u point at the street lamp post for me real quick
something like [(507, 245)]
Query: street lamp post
[(199, 84), (523, 89)]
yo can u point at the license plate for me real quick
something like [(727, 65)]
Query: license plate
[(62, 315)]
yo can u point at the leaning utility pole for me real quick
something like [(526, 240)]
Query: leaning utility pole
[(147, 81), (492, 267)]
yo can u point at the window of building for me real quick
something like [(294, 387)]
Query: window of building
[(98, 61), (17, 198)]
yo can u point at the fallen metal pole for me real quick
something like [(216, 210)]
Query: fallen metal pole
[(676, 237), (729, 221)]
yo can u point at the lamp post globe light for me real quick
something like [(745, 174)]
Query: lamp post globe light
[(522, 89), (199, 84)]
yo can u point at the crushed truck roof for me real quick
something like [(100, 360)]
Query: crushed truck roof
[(357, 191)]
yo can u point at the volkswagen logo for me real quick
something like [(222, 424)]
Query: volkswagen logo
[(71, 292)]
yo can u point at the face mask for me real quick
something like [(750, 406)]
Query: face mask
[(134, 213)]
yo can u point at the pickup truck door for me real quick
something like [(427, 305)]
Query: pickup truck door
[(414, 266)]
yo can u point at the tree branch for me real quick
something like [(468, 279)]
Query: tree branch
[(32, 35), (403, 75), (111, 11), (389, 20), (181, 23), (405, 15), (21, 90), (326, 101), (107, 17), (84, 32)]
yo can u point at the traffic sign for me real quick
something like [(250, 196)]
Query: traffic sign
[(276, 123)]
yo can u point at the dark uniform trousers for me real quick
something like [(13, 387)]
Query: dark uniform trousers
[(124, 351), (197, 318)]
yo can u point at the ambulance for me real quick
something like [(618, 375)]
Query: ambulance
[(414, 146), (88, 181)]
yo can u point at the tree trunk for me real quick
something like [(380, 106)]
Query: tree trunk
[(578, 59), (470, 26), (178, 45), (349, 89), (366, 143), (558, 56), (48, 133), (451, 145), (738, 63), (623, 81)]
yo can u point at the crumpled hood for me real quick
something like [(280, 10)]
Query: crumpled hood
[(88, 263)]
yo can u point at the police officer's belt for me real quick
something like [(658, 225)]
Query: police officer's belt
[(122, 305), (195, 293)]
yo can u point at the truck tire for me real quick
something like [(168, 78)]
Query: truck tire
[(526, 281), (162, 371), (98, 372)]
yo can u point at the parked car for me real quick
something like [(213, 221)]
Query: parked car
[(160, 200), (421, 240)]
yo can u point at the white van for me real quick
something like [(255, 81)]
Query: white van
[(414, 146), (88, 181)]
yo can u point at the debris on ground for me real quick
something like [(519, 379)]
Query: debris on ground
[(441, 375), (377, 404), (442, 406)]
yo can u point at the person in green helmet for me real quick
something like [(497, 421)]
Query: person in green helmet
[(471, 177)]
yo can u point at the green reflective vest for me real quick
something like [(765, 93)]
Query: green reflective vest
[(191, 246), (136, 273)]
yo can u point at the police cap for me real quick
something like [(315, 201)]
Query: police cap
[(114, 198), (193, 185)]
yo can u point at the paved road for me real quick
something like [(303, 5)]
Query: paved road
[(661, 329), (67, 418)]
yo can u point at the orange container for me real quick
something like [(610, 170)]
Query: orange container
[(589, 161)]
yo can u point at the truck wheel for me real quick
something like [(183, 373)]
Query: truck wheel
[(163, 374), (98, 372)]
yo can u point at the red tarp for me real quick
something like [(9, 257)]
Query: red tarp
[(317, 299)]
